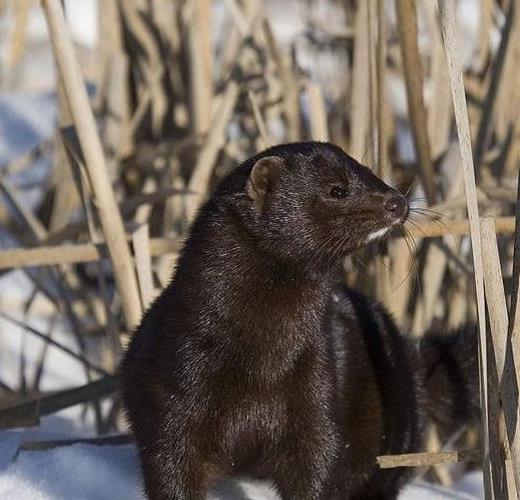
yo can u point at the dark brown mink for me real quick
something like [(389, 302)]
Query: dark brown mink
[(253, 361)]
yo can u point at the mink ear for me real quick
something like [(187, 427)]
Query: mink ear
[(264, 171)]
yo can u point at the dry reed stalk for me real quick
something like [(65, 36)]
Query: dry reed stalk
[(32, 410), (382, 163), (118, 112), (290, 84), (512, 160), (244, 24), (373, 146), (359, 104), (432, 274), (440, 112), (505, 225), (66, 197), (428, 458), (73, 254), (495, 292), (74, 229), (109, 215), (495, 78), (508, 92), (434, 445), (110, 45), (69, 253), (507, 353), (383, 281), (238, 17), (435, 262), (151, 64), (201, 176), (265, 141), (201, 65), (514, 311), (497, 428), (144, 212), (143, 264), (120, 439), (317, 113), (42, 356), (401, 280), (17, 43), (484, 38), (413, 75), (31, 222), (461, 118), (112, 351)]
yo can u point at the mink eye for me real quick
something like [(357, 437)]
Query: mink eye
[(338, 192)]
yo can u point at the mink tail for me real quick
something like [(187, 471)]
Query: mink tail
[(450, 364)]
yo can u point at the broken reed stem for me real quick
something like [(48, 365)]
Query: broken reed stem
[(412, 71), (462, 122), (427, 459), (109, 214)]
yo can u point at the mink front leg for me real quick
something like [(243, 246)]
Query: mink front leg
[(174, 470), (306, 467), (308, 457)]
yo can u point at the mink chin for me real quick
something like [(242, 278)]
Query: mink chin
[(255, 361)]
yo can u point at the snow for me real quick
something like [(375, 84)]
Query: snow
[(78, 471), (25, 120)]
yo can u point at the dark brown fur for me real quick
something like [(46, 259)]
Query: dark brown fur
[(450, 366), (252, 361)]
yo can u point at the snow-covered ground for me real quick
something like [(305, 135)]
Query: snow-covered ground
[(87, 472)]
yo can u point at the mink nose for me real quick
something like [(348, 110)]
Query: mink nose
[(397, 205)]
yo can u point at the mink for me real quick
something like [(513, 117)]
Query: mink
[(256, 361)]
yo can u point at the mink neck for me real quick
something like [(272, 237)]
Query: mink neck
[(255, 252), (229, 253)]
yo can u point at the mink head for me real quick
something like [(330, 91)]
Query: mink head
[(313, 202)]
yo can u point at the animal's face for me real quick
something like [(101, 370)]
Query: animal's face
[(319, 203)]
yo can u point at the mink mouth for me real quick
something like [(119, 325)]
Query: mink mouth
[(388, 229)]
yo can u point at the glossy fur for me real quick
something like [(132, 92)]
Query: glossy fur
[(253, 362), (450, 367)]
